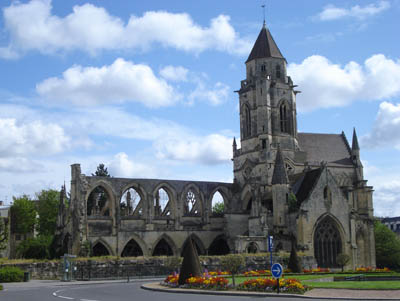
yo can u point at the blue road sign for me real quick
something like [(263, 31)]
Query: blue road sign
[(276, 270), (270, 243)]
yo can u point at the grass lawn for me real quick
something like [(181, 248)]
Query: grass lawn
[(366, 285)]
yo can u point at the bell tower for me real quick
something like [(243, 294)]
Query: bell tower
[(267, 102)]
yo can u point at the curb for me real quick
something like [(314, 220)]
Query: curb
[(159, 288)]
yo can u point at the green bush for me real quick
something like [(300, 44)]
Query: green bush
[(11, 274), (35, 248), (1, 287)]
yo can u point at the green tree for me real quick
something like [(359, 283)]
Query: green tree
[(48, 210), (387, 247), (35, 248), (23, 215), (342, 259), (218, 208), (232, 263), (294, 262), (101, 171), (3, 233)]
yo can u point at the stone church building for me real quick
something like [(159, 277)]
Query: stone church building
[(306, 189)]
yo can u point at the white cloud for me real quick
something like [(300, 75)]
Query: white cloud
[(386, 129), (215, 96), (31, 138), (19, 165), (325, 84), (118, 82), (32, 26), (176, 74), (332, 12), (211, 149), (386, 184), (122, 166)]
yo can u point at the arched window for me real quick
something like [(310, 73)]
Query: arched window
[(278, 71), (327, 194), (163, 249), (284, 118), (162, 203), (132, 249), (327, 243), (99, 202), (217, 204), (219, 247), (100, 250), (131, 203), (247, 122), (252, 248), (263, 68), (192, 204)]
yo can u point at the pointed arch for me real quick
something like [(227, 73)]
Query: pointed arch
[(247, 198), (252, 248), (219, 246), (215, 198), (164, 246), (132, 201), (284, 117), (198, 244), (164, 203), (246, 121), (101, 248), (328, 241), (192, 200), (100, 200), (132, 249)]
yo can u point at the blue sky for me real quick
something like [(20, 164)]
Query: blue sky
[(147, 88)]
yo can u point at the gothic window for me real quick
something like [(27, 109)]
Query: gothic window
[(163, 249), (284, 118), (263, 68), (98, 203), (162, 203), (131, 203), (247, 122), (327, 243), (263, 143), (100, 250), (278, 71), (191, 203), (252, 248), (132, 249), (219, 247), (217, 204)]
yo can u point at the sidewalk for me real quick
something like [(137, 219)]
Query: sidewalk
[(317, 293)]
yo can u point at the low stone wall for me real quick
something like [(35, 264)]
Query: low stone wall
[(135, 267)]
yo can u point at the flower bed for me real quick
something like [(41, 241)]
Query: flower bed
[(257, 273), (270, 285), (372, 270), (317, 270), (212, 283)]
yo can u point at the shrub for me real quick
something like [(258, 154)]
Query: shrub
[(11, 274), (1, 287), (294, 262), (191, 264), (342, 259), (36, 248)]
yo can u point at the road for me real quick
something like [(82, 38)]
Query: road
[(108, 292)]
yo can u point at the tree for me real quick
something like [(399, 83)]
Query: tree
[(294, 263), (35, 248), (218, 208), (232, 263), (191, 264), (101, 171), (23, 215), (48, 210), (387, 247), (3, 233), (342, 259)]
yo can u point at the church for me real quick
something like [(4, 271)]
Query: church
[(307, 190)]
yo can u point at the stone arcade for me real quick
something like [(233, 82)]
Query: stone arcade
[(302, 188)]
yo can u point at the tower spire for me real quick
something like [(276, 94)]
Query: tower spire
[(263, 6), (279, 176), (354, 145)]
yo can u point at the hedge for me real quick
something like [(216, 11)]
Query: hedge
[(11, 274)]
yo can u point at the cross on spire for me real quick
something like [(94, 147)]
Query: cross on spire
[(263, 6)]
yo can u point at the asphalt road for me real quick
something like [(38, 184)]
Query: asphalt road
[(110, 292)]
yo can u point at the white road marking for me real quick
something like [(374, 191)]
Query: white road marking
[(88, 300), (69, 298)]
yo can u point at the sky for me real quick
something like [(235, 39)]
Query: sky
[(147, 87)]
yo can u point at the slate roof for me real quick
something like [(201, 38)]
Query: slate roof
[(264, 46), (279, 176), (331, 148), (303, 183)]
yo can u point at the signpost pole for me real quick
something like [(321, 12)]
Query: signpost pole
[(276, 271)]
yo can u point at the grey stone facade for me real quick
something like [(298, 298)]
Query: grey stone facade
[(305, 189)]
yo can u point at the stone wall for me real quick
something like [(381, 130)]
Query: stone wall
[(136, 267)]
